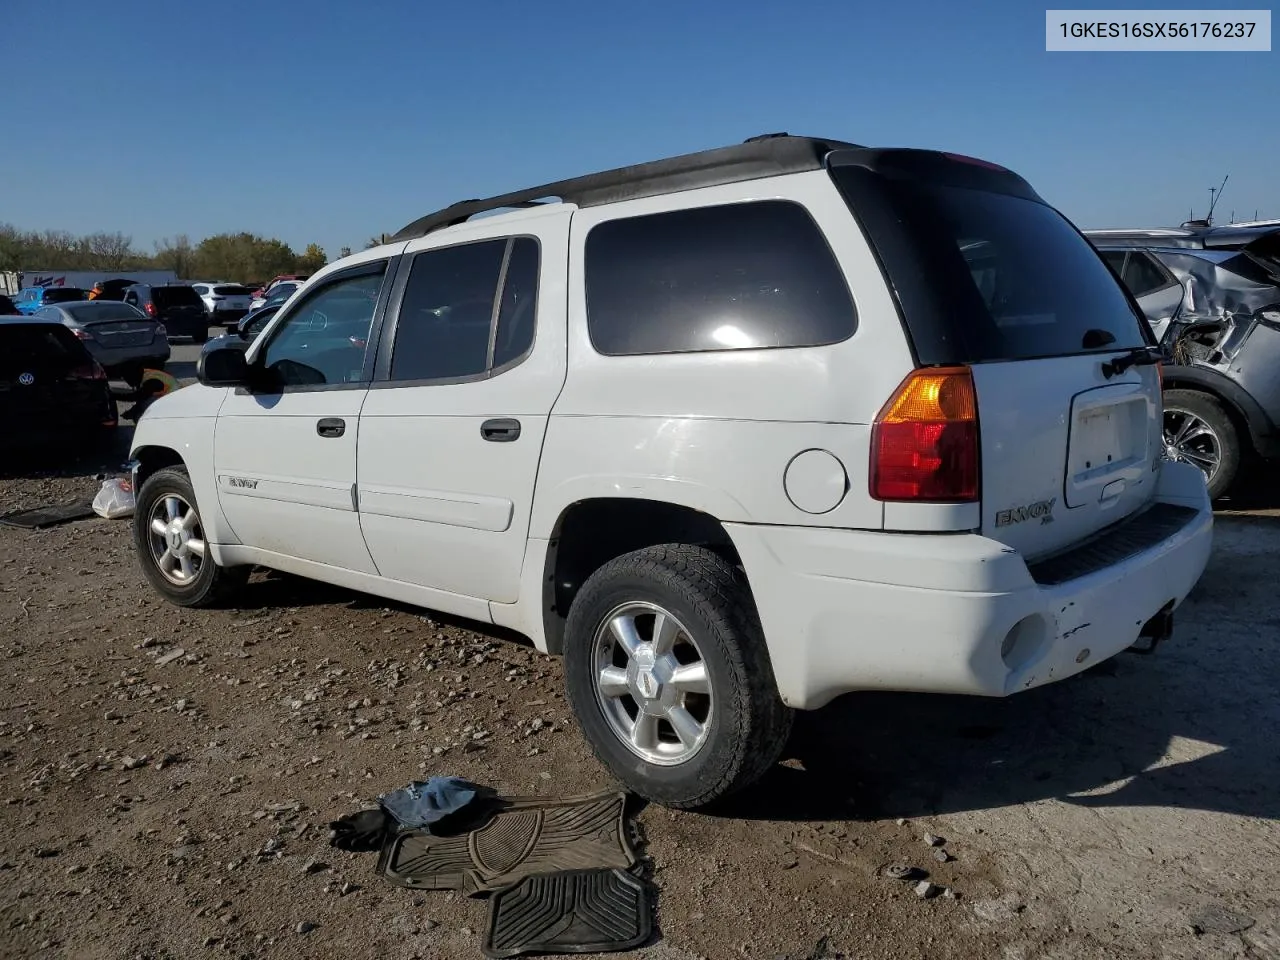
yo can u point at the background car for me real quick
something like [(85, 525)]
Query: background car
[(50, 386), (123, 339), (226, 302), (31, 299), (278, 294), (176, 305), (7, 307), (1212, 296), (245, 332)]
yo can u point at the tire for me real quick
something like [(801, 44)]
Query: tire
[(208, 585), (1195, 426), (744, 724)]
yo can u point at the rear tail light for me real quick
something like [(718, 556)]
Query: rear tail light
[(90, 371), (924, 442), (82, 334), (151, 309)]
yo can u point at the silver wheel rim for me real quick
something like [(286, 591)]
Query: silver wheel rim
[(1189, 439), (652, 683), (177, 539)]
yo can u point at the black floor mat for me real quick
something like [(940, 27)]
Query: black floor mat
[(514, 838), (42, 517), (576, 911)]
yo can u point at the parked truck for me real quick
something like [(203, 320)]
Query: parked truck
[(11, 281)]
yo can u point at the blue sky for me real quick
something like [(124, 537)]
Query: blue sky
[(330, 121)]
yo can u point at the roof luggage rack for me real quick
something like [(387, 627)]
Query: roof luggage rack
[(768, 155)]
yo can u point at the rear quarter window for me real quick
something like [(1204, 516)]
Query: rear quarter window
[(983, 276), (737, 276)]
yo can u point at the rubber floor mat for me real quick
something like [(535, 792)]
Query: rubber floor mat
[(515, 838), (577, 911), (42, 517)]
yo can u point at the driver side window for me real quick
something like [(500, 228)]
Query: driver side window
[(324, 339)]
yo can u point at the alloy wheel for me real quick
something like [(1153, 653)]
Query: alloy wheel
[(177, 539)]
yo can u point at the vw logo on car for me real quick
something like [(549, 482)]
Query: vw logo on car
[(26, 379)]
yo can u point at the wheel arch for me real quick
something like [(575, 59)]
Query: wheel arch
[(1246, 415)]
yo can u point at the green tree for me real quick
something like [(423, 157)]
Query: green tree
[(312, 260), (243, 256), (177, 255), (344, 252)]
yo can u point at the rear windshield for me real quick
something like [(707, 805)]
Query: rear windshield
[(176, 297), (984, 276), (107, 311), (63, 294), (231, 290), (28, 348)]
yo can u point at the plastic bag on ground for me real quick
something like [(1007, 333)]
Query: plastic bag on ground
[(114, 499)]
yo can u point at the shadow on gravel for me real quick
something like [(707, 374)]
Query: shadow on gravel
[(1195, 725)]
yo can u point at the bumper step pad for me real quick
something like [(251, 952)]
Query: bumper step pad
[(575, 911), (513, 839)]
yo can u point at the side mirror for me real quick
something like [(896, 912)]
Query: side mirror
[(223, 367)]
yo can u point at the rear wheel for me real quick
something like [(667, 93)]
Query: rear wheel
[(1198, 431), (170, 540), (667, 671)]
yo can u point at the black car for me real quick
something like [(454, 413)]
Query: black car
[(51, 390), (1212, 296), (7, 307), (176, 305)]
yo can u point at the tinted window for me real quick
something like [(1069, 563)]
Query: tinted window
[(279, 294), (232, 290), (108, 311), (984, 275), (1142, 276), (443, 331), (176, 297), (716, 278), (63, 294), (324, 337), (1115, 260), (29, 348)]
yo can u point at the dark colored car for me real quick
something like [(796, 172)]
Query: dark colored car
[(176, 305), (1212, 296), (118, 335), (51, 390), (7, 307)]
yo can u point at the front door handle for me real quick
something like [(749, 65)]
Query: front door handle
[(331, 427), (502, 430)]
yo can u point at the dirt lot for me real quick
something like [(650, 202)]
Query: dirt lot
[(148, 808)]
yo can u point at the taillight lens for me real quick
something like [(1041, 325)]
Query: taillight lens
[(82, 334), (924, 442), (90, 371), (151, 309)]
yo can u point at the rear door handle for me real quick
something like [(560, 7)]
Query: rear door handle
[(331, 427), (502, 430)]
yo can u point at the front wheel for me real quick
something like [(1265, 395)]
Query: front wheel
[(170, 541), (667, 671), (1198, 431)]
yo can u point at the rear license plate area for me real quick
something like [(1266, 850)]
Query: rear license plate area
[(1108, 442)]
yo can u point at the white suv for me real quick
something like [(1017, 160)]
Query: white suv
[(734, 432)]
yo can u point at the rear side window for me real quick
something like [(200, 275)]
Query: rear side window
[(176, 297), (467, 310), (27, 348), (1142, 275), (738, 276), (232, 290), (983, 276)]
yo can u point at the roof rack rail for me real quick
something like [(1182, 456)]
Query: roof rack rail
[(766, 155)]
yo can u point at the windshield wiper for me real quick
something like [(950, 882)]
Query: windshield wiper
[(1137, 357)]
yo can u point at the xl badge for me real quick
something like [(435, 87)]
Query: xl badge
[(1041, 508), (26, 379)]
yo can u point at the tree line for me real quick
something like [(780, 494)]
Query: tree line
[(241, 257)]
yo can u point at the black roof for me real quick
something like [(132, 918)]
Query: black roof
[(764, 156)]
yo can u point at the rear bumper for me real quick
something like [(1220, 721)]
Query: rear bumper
[(114, 359), (959, 613)]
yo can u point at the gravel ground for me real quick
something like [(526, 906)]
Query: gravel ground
[(167, 777)]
